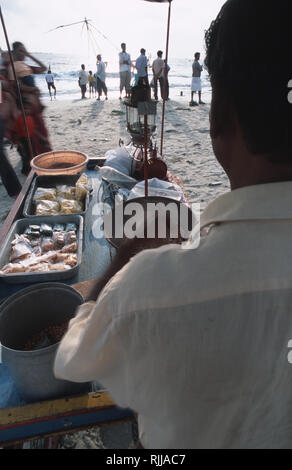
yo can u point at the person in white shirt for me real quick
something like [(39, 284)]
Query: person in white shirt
[(157, 68), (100, 78), (142, 67), (198, 342), (51, 83), (125, 71), (83, 80)]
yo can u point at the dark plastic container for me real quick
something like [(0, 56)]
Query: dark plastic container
[(51, 182), (19, 228)]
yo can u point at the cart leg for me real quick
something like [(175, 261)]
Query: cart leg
[(51, 443)]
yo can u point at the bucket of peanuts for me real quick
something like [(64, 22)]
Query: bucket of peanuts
[(32, 324)]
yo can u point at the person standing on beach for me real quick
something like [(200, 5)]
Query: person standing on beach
[(100, 78), (51, 83), (92, 85), (157, 68), (196, 81), (142, 67), (8, 112), (83, 80), (125, 71)]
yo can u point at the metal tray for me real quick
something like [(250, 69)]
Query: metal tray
[(51, 182), (19, 228)]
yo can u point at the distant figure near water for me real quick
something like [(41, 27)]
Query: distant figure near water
[(100, 78), (92, 85), (125, 71), (196, 81), (142, 67), (51, 83), (83, 80)]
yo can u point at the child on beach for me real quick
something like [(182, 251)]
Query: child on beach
[(92, 87)]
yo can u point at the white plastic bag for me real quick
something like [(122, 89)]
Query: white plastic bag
[(159, 188), (120, 159)]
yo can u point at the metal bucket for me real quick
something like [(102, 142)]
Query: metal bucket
[(24, 315)]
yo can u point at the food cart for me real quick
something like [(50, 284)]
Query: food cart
[(21, 422)]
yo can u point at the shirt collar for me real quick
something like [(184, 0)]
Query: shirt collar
[(260, 202)]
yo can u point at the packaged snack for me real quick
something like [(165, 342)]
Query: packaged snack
[(47, 208), (58, 228), (46, 230), (47, 245), (20, 250), (45, 194), (59, 239), (71, 228), (70, 248), (13, 268), (66, 192), (82, 188), (70, 207), (70, 237)]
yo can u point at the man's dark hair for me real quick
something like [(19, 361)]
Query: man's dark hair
[(16, 45), (160, 53), (249, 58), (142, 51)]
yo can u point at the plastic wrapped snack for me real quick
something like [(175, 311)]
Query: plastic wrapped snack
[(46, 230), (59, 267), (45, 194), (70, 207), (82, 188), (71, 228), (70, 248), (59, 228), (47, 245), (66, 192), (70, 237), (13, 268), (59, 239), (47, 208), (20, 251), (39, 268)]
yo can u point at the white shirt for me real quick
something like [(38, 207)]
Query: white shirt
[(158, 66), (101, 71), (83, 77), (196, 341), (124, 56), (142, 66)]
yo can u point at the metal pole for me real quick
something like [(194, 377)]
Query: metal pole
[(146, 172), (17, 85), (165, 77)]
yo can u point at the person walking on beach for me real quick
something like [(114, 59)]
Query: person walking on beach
[(196, 81), (8, 111), (92, 85), (125, 71), (51, 83), (157, 68), (100, 78), (142, 67), (83, 80)]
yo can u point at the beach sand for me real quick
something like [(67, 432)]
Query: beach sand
[(95, 127)]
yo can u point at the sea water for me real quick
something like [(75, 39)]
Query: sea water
[(65, 69)]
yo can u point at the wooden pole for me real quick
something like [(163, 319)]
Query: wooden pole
[(17, 85), (165, 77)]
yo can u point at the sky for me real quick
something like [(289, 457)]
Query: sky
[(136, 22)]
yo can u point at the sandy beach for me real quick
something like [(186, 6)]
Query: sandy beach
[(95, 127)]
